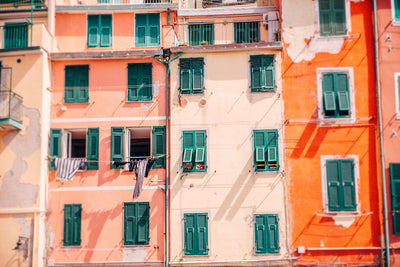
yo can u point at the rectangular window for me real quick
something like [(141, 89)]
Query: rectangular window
[(262, 73), (336, 95), (266, 150), (136, 223), (140, 81), (194, 151), (72, 224), (201, 34), (397, 93), (192, 75), (147, 30), (395, 189), (196, 233), (16, 35), (75, 144), (99, 31), (135, 143), (76, 84), (397, 10), (332, 17), (247, 32), (341, 188), (266, 233)]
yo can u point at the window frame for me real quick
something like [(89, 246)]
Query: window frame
[(147, 226), (395, 21), (194, 148), (356, 174), (72, 228), (146, 42), (268, 249), (197, 252), (100, 26), (74, 69), (263, 88), (347, 17), (266, 150), (191, 90), (201, 32), (322, 118), (247, 32), (397, 93), (139, 97), (15, 23)]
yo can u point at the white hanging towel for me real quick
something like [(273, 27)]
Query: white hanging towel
[(66, 168)]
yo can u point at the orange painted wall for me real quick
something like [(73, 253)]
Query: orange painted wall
[(307, 140)]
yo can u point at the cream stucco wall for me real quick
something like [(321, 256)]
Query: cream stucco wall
[(230, 191)]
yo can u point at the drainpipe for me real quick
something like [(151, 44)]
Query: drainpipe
[(384, 195), (167, 61)]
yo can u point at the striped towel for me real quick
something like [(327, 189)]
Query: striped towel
[(66, 168)]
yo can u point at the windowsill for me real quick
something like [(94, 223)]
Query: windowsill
[(395, 23), (139, 101), (99, 47), (333, 36), (331, 121), (196, 255), (72, 246), (265, 253), (67, 103), (262, 91), (136, 245), (339, 213)]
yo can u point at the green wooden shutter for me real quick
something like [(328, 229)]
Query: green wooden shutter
[(398, 91), (256, 73), (259, 149), (397, 9), (339, 17), (325, 17), (197, 74), (146, 91), (333, 183), (133, 82), (188, 147), (395, 190), (202, 234), (332, 15), (153, 29), (140, 82), (69, 92), (186, 76), (272, 149), (140, 29), (253, 31), (55, 146), (273, 234), (260, 233), (189, 234), (129, 223), (68, 224), (105, 30), (194, 34), (82, 84), (200, 149), (159, 146), (72, 224), (117, 145), (348, 184), (240, 32), (93, 30), (77, 218), (143, 213), (93, 149), (268, 74), (342, 90), (187, 155), (16, 35), (329, 95)]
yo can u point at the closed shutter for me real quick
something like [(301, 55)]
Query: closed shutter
[(325, 17), (133, 82), (208, 33), (105, 30), (69, 91), (395, 189), (332, 15), (72, 224), (93, 149), (339, 17), (186, 76), (159, 146), (129, 224), (256, 73), (197, 74), (259, 147), (268, 73), (194, 34), (68, 225), (273, 234), (77, 213), (347, 177), (200, 150), (146, 84), (140, 81), (397, 9), (76, 84), (117, 145), (260, 233), (189, 234), (147, 29), (188, 147), (93, 30), (55, 146), (202, 229), (253, 32), (15, 35), (333, 182), (140, 29), (143, 223)]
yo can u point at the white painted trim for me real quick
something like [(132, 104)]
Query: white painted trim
[(393, 11), (225, 11), (103, 188), (109, 119), (397, 93), (348, 22), (357, 181), (350, 75)]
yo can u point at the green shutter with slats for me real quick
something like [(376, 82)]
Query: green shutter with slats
[(335, 90), (147, 29), (397, 9), (93, 149), (159, 146), (262, 73), (191, 75), (15, 35), (196, 234), (194, 157), (55, 146), (199, 33), (72, 224), (136, 223), (348, 184), (273, 234), (197, 74), (395, 190), (189, 234), (332, 16), (99, 31), (93, 30), (266, 233), (143, 216), (129, 223), (140, 81), (260, 233), (117, 145), (76, 84), (187, 155), (247, 32), (333, 182), (105, 30), (266, 150)]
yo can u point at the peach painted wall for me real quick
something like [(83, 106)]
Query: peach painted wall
[(307, 140)]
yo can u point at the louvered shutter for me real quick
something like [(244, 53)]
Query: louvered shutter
[(342, 89), (55, 146), (339, 17), (348, 184), (256, 73), (105, 30), (129, 223), (77, 213), (268, 73), (273, 234), (260, 233), (272, 143), (197, 74), (395, 190), (333, 183), (202, 234), (189, 234), (146, 92), (325, 17), (153, 29), (143, 223), (159, 146), (93, 149), (82, 84), (133, 82), (329, 100), (93, 30), (117, 145), (140, 29)]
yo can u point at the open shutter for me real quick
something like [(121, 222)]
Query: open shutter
[(202, 236), (339, 17), (117, 145), (146, 88), (325, 17), (93, 30), (55, 146), (189, 234), (105, 30), (273, 234), (187, 155), (127, 148), (260, 154), (256, 73), (188, 147), (143, 223), (348, 184), (200, 150), (344, 103), (260, 233), (197, 71), (268, 73), (93, 149), (333, 183), (200, 154), (159, 146), (186, 76), (395, 189), (129, 223)]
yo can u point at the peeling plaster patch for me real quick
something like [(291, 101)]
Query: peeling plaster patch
[(12, 192), (26, 225), (344, 220), (156, 88), (143, 105), (135, 254), (329, 45)]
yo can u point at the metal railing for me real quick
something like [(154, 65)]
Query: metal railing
[(22, 5), (10, 105)]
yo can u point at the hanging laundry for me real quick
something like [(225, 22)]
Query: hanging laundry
[(142, 170), (66, 168)]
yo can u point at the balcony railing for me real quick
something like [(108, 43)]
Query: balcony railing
[(195, 4), (22, 5), (10, 102), (114, 2)]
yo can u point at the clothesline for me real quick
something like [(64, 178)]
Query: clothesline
[(106, 161)]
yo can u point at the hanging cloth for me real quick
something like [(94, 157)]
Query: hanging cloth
[(66, 168)]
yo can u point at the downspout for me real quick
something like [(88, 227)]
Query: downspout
[(167, 61), (384, 195)]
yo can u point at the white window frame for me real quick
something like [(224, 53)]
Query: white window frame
[(66, 141), (127, 142), (325, 199), (350, 74), (348, 21), (393, 11), (397, 93)]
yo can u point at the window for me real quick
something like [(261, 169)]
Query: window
[(136, 223), (340, 182), (76, 84), (15, 35), (332, 17), (201, 34), (99, 31), (136, 143), (397, 93), (192, 75), (262, 73), (395, 188), (194, 151), (266, 233), (196, 234), (247, 32), (72, 224), (147, 30), (77, 144), (397, 10), (266, 150), (140, 82), (335, 90)]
